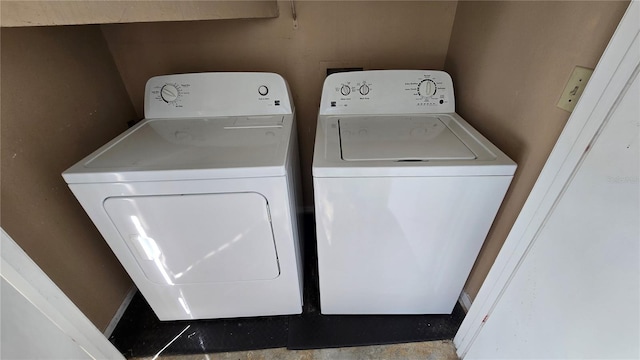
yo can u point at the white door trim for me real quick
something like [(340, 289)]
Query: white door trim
[(17, 268), (609, 81)]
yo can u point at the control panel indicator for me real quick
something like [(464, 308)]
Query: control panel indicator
[(205, 95), (391, 91), (427, 87), (170, 93)]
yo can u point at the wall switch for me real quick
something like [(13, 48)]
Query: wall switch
[(574, 88)]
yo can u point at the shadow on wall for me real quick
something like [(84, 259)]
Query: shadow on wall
[(62, 99)]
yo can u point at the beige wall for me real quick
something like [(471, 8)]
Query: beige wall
[(373, 35), (62, 98), (510, 62)]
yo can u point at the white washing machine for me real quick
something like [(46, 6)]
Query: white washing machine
[(199, 201), (405, 193)]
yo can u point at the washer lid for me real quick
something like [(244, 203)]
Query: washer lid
[(157, 149), (405, 138), (454, 149)]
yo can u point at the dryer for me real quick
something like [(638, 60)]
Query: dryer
[(405, 192), (199, 201)]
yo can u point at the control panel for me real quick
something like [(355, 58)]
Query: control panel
[(216, 94), (388, 92)]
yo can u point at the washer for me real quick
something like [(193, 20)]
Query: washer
[(405, 193), (199, 201)]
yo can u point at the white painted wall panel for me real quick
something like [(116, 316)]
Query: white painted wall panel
[(28, 334), (577, 293)]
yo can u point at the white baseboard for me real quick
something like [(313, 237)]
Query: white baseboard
[(465, 301), (118, 315)]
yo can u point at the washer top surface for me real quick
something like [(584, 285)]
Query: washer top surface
[(177, 149), (409, 138), (398, 123)]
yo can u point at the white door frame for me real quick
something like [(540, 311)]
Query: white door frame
[(611, 77), (19, 270)]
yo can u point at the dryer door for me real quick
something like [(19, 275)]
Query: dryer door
[(202, 238)]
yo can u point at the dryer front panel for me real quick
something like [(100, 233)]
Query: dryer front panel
[(197, 238)]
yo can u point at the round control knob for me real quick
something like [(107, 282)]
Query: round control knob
[(169, 93), (345, 90), (364, 89), (263, 90), (427, 87)]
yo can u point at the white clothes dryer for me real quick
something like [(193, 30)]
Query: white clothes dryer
[(405, 192), (199, 201)]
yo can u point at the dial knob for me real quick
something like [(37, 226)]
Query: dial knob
[(427, 87), (364, 89), (345, 90), (169, 93), (263, 90)]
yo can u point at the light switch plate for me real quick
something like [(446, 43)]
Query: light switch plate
[(574, 88)]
